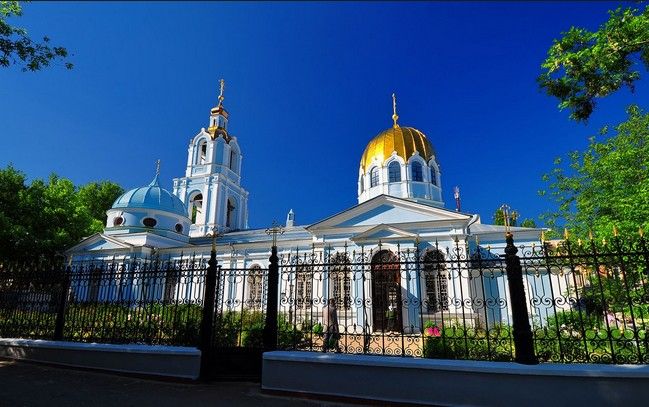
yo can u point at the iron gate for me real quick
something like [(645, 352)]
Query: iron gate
[(233, 341)]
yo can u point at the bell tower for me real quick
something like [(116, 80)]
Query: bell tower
[(211, 188)]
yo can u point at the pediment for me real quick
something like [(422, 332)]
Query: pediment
[(384, 210), (99, 241), (384, 232)]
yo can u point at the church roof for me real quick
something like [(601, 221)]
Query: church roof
[(404, 140), (152, 196)]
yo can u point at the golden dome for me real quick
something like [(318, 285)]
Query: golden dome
[(404, 140)]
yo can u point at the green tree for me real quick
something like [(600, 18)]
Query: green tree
[(499, 217), (607, 184), (14, 235), (513, 216), (45, 218), (99, 197), (528, 223), (17, 48), (585, 65)]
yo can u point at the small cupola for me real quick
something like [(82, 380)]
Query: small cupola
[(219, 117)]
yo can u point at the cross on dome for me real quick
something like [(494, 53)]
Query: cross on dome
[(222, 87), (394, 110)]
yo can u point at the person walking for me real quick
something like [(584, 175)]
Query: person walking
[(330, 323)]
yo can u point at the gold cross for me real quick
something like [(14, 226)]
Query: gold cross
[(222, 82), (394, 110)]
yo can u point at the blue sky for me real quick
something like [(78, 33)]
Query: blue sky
[(307, 86)]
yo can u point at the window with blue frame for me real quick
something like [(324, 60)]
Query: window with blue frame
[(433, 176), (394, 172), (374, 177), (417, 173)]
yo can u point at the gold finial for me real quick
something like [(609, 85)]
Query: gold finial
[(542, 236), (565, 233), (641, 232), (157, 167), (221, 97), (590, 234), (615, 231), (394, 110)]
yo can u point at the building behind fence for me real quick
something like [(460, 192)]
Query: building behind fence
[(585, 302)]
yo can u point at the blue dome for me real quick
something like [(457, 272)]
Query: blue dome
[(151, 197)]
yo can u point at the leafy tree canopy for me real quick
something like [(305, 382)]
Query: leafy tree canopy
[(512, 217), (17, 48), (606, 185), (585, 65), (46, 218)]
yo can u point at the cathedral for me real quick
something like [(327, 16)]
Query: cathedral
[(400, 207)]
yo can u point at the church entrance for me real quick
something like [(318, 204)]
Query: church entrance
[(386, 292)]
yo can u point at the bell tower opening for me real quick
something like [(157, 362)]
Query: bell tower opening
[(202, 152), (197, 214), (229, 220)]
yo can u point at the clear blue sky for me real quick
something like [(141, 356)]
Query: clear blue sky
[(307, 86)]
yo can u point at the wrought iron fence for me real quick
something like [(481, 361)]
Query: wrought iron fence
[(241, 303), (585, 302), (133, 301)]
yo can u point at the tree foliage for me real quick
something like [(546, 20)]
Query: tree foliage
[(606, 185), (17, 48), (585, 65), (46, 218), (512, 216)]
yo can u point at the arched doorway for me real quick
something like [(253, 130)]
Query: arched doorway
[(386, 292)]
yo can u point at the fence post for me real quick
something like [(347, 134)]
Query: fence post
[(62, 304), (523, 338), (270, 329), (209, 303)]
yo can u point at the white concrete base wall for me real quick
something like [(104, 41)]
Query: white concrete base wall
[(170, 361), (455, 383)]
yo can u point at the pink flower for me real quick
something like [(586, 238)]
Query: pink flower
[(432, 331)]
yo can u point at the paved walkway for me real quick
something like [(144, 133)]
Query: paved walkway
[(27, 384)]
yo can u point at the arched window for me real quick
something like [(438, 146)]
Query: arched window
[(433, 176), (196, 206), (233, 160), (255, 287), (304, 287), (394, 172), (417, 173), (202, 152), (374, 177), (340, 283), (229, 218), (436, 298)]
